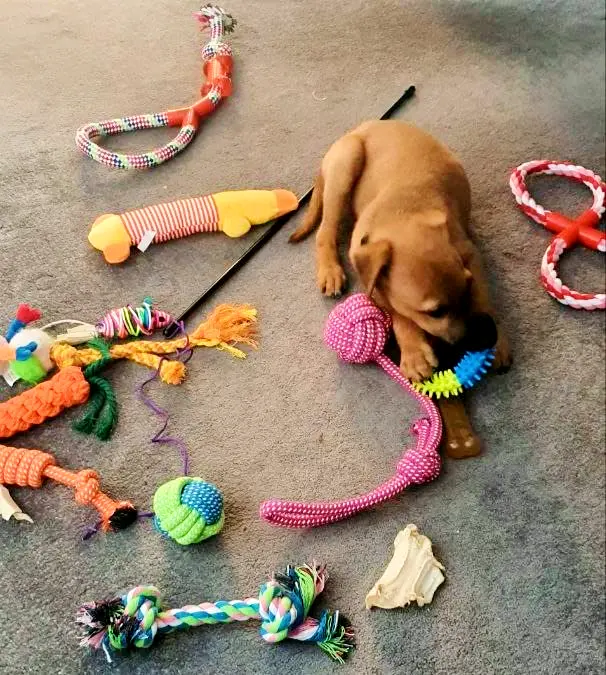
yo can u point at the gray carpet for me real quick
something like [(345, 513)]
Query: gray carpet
[(520, 529)]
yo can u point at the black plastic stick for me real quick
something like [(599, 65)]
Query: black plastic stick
[(172, 330)]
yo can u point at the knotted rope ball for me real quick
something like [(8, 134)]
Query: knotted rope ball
[(188, 510), (357, 329)]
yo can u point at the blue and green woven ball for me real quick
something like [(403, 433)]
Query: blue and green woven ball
[(188, 510)]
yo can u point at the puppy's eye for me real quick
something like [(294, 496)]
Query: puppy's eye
[(364, 240), (439, 312)]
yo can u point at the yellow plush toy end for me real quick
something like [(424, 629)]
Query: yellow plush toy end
[(233, 213)]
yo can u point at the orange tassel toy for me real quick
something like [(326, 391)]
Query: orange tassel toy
[(28, 468)]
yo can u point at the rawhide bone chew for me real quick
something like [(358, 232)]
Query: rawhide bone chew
[(217, 69), (28, 468), (232, 213), (282, 606), (357, 330)]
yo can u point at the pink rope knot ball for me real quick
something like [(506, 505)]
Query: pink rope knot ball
[(357, 329)]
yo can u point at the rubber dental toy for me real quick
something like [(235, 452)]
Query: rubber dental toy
[(357, 330), (282, 605), (28, 468), (468, 372), (232, 213), (217, 69), (568, 231)]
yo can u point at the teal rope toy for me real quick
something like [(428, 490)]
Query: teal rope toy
[(188, 510), (135, 619), (468, 372)]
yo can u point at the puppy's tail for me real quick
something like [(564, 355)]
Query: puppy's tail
[(313, 215)]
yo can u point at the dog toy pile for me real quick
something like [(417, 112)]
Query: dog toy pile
[(568, 231), (28, 468), (357, 330), (217, 69), (282, 606), (232, 213), (468, 372), (226, 326)]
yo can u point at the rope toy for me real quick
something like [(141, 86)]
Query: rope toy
[(357, 330), (188, 510), (117, 324), (232, 213), (568, 231), (69, 387), (468, 372), (28, 468), (282, 606), (217, 69), (224, 327)]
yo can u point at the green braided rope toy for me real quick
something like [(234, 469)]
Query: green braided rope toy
[(282, 606), (468, 372)]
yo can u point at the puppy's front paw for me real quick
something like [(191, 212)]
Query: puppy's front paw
[(502, 357), (417, 363), (331, 279)]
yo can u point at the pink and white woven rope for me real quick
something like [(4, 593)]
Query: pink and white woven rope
[(580, 230), (357, 330), (172, 220)]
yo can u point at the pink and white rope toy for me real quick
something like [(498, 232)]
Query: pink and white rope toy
[(568, 231), (357, 330)]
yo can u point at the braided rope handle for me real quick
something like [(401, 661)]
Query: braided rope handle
[(590, 237), (216, 56)]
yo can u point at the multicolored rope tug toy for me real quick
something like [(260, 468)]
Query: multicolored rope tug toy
[(569, 232), (226, 326), (357, 330), (28, 468), (217, 69), (467, 373), (282, 606)]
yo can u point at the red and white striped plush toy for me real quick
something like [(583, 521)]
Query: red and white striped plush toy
[(232, 213)]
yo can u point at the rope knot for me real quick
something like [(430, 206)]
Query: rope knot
[(279, 611), (86, 486), (357, 329), (419, 465)]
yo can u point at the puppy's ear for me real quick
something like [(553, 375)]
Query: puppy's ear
[(372, 260)]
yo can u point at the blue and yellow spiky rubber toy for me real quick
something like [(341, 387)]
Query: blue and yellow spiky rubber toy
[(470, 370)]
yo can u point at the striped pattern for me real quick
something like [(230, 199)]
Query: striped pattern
[(549, 276), (173, 219), (357, 330)]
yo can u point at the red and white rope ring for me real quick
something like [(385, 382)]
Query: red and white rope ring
[(569, 231)]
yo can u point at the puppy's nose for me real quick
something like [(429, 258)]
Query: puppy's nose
[(480, 333)]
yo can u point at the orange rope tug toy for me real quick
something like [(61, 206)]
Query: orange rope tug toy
[(28, 468)]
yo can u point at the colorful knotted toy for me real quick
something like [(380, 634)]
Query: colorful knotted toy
[(282, 606), (217, 57), (28, 468), (568, 231), (230, 212), (357, 330), (225, 326)]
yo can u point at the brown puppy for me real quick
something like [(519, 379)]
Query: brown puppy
[(410, 245)]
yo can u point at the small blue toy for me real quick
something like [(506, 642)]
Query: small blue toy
[(470, 370)]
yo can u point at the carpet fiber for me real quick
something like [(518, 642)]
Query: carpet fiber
[(520, 529)]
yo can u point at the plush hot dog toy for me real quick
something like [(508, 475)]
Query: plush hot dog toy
[(230, 212)]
